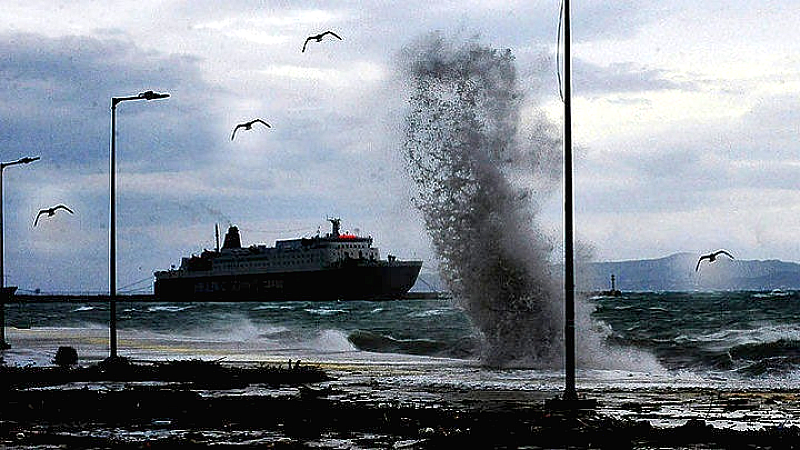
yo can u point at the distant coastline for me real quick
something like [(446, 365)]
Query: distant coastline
[(674, 273), (677, 272)]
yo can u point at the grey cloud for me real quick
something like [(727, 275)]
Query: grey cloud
[(686, 167), (592, 79), (648, 181), (595, 20), (56, 96)]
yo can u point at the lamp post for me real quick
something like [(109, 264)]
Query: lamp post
[(570, 400), (570, 393), (5, 293), (148, 95)]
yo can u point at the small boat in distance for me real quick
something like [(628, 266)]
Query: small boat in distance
[(335, 266)]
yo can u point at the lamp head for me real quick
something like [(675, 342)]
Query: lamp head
[(27, 160), (150, 95)]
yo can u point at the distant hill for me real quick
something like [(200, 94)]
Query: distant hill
[(677, 273), (672, 273)]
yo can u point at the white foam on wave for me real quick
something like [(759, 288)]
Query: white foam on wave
[(429, 313), (776, 293), (332, 341), (325, 311), (168, 308), (272, 306), (594, 352), (234, 328), (239, 333), (759, 334)]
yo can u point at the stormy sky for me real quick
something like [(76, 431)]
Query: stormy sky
[(685, 121)]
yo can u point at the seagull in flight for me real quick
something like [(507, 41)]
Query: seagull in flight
[(50, 212), (318, 38), (711, 257), (248, 126)]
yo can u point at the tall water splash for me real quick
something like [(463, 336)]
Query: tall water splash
[(480, 180)]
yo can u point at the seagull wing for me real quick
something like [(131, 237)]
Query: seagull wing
[(306, 43), (261, 121), (64, 207), (36, 222), (724, 253), (332, 34), (234, 130), (701, 259)]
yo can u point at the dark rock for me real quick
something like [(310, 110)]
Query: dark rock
[(66, 356)]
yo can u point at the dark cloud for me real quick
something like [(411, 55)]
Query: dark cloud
[(55, 102), (56, 95)]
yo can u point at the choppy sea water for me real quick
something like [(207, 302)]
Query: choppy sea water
[(732, 338), (422, 351)]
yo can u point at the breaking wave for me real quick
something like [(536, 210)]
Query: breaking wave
[(480, 178)]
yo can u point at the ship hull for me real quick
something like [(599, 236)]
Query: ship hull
[(387, 281)]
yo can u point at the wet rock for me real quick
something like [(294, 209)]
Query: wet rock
[(66, 356)]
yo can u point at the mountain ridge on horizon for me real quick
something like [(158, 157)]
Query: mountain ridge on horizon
[(687, 254), (677, 271), (674, 272)]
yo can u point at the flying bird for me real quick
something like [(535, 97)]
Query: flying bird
[(711, 257), (50, 212), (248, 126), (318, 38)]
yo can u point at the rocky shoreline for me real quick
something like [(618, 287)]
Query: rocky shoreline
[(197, 404)]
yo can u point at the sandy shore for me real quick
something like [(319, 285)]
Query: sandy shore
[(209, 404)]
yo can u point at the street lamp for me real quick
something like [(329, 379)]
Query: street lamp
[(5, 293), (148, 95), (570, 393), (570, 399)]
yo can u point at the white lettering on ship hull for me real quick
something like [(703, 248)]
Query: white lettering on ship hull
[(237, 286)]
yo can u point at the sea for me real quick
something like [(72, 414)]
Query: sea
[(731, 336), (417, 349)]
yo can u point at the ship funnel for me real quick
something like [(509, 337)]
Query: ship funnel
[(232, 239), (335, 223)]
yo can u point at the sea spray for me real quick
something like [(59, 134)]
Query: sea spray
[(466, 154)]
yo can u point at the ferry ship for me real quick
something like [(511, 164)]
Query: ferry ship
[(336, 266)]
